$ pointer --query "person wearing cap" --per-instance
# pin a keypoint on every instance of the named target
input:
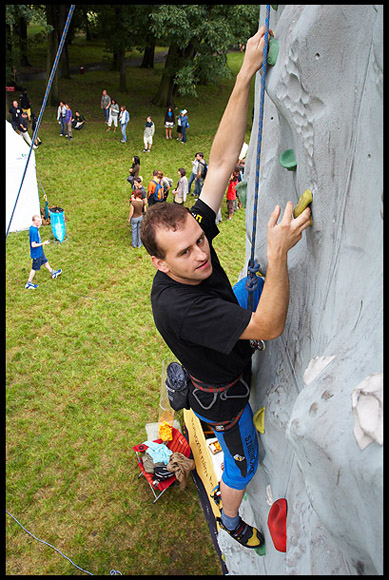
(197, 313)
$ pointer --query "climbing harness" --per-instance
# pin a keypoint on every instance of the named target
(50, 82)
(222, 391)
(253, 266)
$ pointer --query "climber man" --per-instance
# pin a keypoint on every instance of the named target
(195, 309)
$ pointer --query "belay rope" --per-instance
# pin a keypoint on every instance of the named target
(253, 266)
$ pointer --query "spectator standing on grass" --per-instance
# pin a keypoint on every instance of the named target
(166, 184)
(61, 115)
(105, 104)
(15, 111)
(137, 209)
(148, 134)
(37, 254)
(201, 173)
(231, 193)
(179, 128)
(184, 125)
(151, 188)
(138, 184)
(169, 122)
(134, 169)
(23, 128)
(113, 115)
(193, 175)
(124, 119)
(68, 121)
(181, 191)
(25, 103)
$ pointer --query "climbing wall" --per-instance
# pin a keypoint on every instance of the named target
(321, 381)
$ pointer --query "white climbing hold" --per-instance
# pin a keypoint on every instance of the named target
(367, 406)
(315, 367)
(269, 495)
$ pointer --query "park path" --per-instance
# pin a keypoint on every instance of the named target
(26, 76)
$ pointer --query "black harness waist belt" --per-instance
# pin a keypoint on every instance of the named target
(213, 388)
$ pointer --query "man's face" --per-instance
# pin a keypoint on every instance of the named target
(187, 253)
(37, 222)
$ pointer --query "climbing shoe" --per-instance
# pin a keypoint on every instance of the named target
(246, 535)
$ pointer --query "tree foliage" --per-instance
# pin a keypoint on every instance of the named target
(203, 35)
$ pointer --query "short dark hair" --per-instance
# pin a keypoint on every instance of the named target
(170, 216)
(182, 171)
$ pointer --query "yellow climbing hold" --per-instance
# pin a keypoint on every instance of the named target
(259, 420)
(304, 201)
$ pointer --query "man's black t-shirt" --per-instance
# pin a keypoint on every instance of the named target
(201, 324)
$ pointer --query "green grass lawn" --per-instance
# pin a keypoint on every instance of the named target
(83, 358)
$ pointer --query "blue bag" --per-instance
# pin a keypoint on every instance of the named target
(241, 292)
(57, 220)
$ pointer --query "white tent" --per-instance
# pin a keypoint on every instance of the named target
(28, 203)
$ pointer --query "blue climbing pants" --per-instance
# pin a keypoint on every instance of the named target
(240, 448)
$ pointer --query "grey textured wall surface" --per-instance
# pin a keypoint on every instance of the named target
(321, 381)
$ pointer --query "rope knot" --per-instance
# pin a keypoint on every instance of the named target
(252, 278)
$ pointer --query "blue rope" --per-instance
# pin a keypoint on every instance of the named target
(253, 266)
(112, 572)
(50, 82)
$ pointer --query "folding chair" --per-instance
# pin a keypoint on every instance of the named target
(178, 444)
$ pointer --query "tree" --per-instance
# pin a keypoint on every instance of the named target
(199, 43)
(17, 17)
(125, 27)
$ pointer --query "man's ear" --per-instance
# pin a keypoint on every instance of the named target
(159, 264)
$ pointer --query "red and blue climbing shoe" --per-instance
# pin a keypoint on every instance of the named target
(246, 535)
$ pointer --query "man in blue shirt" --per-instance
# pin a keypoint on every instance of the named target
(37, 254)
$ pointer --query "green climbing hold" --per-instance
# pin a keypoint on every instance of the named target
(273, 50)
(261, 550)
(241, 190)
(287, 160)
(274, 6)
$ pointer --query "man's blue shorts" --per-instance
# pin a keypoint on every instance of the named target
(240, 448)
(38, 262)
